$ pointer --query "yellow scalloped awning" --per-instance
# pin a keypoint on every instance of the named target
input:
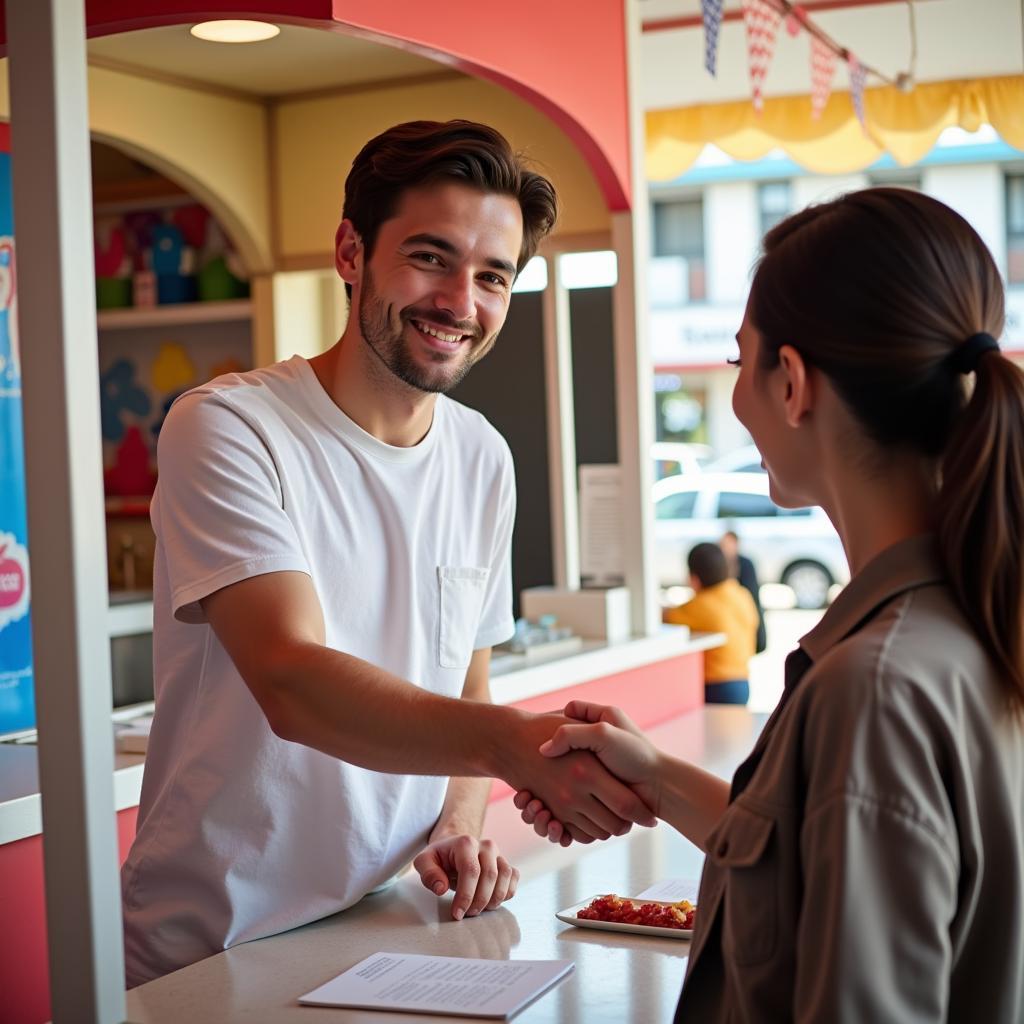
(905, 125)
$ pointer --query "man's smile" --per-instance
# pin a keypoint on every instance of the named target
(443, 338)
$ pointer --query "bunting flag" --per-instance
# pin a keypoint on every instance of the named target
(823, 67)
(858, 73)
(762, 23)
(795, 20)
(712, 11)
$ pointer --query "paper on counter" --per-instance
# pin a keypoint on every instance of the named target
(454, 986)
(672, 890)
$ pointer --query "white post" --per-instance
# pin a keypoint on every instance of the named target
(64, 472)
(634, 378)
(565, 524)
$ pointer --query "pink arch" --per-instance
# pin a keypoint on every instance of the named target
(567, 58)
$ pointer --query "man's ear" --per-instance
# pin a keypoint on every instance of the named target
(798, 400)
(348, 252)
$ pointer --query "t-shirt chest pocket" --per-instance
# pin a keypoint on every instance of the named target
(461, 592)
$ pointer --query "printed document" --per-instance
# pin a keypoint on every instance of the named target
(672, 890)
(447, 985)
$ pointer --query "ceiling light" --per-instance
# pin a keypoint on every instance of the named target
(234, 31)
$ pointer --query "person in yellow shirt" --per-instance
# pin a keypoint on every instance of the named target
(721, 605)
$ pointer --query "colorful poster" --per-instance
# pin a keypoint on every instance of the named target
(17, 704)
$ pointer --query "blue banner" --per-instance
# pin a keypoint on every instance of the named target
(17, 704)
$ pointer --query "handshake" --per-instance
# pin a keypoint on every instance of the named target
(593, 775)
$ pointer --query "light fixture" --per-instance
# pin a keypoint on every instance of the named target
(234, 31)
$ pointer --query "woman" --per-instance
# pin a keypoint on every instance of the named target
(867, 861)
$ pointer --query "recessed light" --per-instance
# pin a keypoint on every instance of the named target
(234, 31)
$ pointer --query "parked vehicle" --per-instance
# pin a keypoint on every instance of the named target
(674, 457)
(797, 547)
(745, 459)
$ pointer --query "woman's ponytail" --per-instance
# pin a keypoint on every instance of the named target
(981, 516)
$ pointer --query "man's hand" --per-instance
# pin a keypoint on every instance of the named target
(615, 740)
(481, 877)
(579, 791)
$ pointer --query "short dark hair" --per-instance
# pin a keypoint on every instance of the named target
(419, 153)
(707, 562)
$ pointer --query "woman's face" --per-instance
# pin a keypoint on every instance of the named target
(759, 401)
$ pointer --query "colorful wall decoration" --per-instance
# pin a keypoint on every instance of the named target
(17, 703)
(170, 253)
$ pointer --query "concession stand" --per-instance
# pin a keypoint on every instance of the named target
(262, 146)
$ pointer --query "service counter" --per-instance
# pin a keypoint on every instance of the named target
(617, 977)
(654, 679)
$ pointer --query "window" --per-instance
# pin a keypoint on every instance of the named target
(678, 230)
(896, 178)
(676, 506)
(1015, 228)
(774, 203)
(739, 505)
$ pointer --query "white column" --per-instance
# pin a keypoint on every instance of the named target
(634, 371)
(820, 188)
(71, 652)
(978, 193)
(731, 239)
(725, 432)
(561, 416)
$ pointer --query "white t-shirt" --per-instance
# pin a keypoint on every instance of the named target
(242, 834)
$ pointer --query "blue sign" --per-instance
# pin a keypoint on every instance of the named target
(17, 704)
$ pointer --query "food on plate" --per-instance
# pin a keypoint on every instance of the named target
(653, 915)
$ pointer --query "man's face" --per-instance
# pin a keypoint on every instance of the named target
(435, 293)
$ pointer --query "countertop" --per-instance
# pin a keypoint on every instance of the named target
(617, 977)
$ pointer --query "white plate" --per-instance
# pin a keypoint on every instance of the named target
(569, 917)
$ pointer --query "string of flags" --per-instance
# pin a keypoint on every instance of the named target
(762, 18)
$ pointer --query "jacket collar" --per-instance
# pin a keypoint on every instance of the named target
(905, 566)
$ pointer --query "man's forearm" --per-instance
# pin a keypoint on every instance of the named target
(465, 805)
(360, 713)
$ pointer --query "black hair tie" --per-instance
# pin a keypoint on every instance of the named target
(964, 358)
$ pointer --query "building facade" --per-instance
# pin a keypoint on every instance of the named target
(706, 231)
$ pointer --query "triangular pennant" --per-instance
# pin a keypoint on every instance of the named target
(823, 67)
(712, 11)
(762, 23)
(858, 74)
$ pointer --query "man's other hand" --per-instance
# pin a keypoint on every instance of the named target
(481, 877)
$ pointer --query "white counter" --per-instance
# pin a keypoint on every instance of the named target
(20, 804)
(618, 977)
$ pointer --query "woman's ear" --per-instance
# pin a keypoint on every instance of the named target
(348, 252)
(799, 395)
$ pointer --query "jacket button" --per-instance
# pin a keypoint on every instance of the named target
(723, 847)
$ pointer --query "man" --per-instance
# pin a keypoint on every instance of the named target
(742, 568)
(332, 568)
(719, 605)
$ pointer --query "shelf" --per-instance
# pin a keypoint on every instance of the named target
(174, 315)
(130, 619)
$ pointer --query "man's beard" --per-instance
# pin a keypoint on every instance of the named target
(391, 348)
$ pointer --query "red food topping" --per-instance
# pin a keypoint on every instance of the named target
(656, 915)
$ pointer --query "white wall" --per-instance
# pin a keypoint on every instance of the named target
(731, 239)
(978, 193)
(309, 312)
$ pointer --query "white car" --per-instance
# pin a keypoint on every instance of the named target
(798, 547)
(745, 459)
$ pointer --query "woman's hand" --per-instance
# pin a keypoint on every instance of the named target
(616, 741)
